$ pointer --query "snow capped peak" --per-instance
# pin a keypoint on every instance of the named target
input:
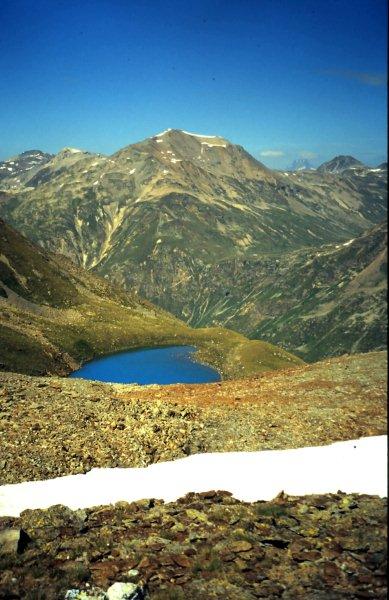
(198, 134)
(162, 133)
(68, 150)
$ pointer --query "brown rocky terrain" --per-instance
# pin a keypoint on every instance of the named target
(203, 546)
(52, 426)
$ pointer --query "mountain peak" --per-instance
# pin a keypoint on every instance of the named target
(68, 151)
(301, 164)
(181, 134)
(18, 169)
(340, 163)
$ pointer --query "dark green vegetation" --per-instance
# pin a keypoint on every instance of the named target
(201, 547)
(192, 223)
(53, 315)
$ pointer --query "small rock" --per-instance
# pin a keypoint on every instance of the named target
(240, 546)
(132, 573)
(182, 561)
(124, 591)
(13, 541)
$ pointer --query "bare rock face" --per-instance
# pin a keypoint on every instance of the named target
(124, 591)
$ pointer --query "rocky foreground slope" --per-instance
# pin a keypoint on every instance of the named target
(51, 426)
(203, 546)
(159, 216)
(54, 315)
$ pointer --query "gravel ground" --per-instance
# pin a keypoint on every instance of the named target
(55, 426)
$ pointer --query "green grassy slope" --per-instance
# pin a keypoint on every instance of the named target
(54, 315)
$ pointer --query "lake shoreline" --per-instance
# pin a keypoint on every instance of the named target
(169, 364)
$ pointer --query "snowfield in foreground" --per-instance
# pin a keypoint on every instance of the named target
(355, 466)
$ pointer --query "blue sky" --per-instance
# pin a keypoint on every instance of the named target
(283, 78)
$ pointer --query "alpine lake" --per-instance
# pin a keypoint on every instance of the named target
(145, 366)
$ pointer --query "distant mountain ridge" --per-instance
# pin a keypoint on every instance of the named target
(301, 164)
(340, 164)
(325, 301)
(18, 169)
(157, 215)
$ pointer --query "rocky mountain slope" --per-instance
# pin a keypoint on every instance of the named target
(323, 301)
(134, 426)
(16, 171)
(159, 215)
(203, 546)
(54, 315)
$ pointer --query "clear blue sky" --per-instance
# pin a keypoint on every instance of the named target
(283, 78)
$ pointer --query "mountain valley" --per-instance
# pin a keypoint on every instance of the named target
(196, 225)
(53, 316)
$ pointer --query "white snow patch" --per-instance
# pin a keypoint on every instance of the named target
(354, 466)
(159, 241)
(348, 243)
(132, 171)
(214, 145)
(159, 141)
(165, 171)
(198, 135)
(162, 133)
(95, 183)
(374, 170)
(175, 160)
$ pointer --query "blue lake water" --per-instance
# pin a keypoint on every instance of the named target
(172, 364)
